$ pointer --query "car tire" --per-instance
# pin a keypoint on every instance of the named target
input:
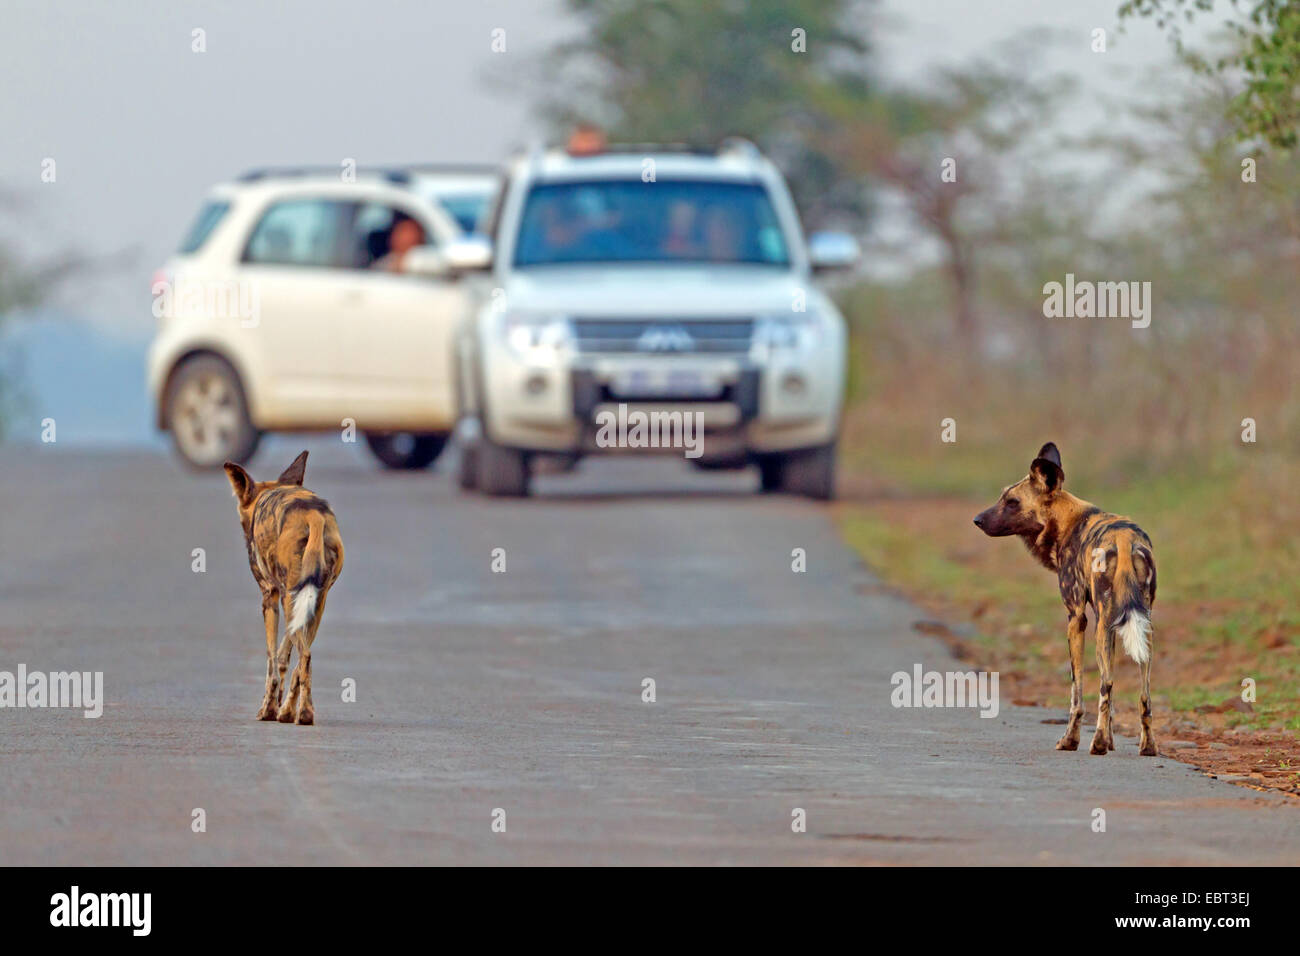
(467, 468)
(810, 473)
(406, 451)
(771, 473)
(501, 471)
(207, 414)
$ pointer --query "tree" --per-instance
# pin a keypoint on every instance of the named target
(25, 286)
(1268, 55)
(961, 155)
(20, 288)
(697, 71)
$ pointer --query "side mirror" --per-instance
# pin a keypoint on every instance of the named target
(470, 254)
(833, 250)
(427, 261)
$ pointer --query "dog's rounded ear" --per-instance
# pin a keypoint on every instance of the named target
(240, 482)
(294, 474)
(1050, 452)
(1047, 474)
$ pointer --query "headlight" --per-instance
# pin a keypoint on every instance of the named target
(532, 333)
(787, 331)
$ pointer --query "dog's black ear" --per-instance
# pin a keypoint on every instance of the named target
(1046, 472)
(294, 474)
(1051, 453)
(240, 482)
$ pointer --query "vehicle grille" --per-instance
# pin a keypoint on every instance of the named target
(724, 336)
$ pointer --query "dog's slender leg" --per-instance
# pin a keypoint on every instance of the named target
(1110, 710)
(282, 655)
(1074, 634)
(1148, 741)
(289, 708)
(271, 618)
(1105, 654)
(306, 712)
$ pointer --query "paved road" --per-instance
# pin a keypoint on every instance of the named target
(522, 690)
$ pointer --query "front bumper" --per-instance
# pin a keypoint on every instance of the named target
(787, 403)
(593, 392)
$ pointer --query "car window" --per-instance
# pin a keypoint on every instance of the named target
(299, 232)
(380, 232)
(467, 209)
(211, 214)
(633, 221)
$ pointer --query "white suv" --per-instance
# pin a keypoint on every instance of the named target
(664, 282)
(283, 311)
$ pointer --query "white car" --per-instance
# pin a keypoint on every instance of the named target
(280, 312)
(670, 284)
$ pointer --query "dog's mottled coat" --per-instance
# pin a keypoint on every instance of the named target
(1100, 559)
(296, 554)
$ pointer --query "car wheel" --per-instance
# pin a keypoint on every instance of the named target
(501, 471)
(467, 472)
(810, 473)
(406, 450)
(770, 472)
(207, 414)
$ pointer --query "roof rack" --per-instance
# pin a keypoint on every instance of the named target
(732, 144)
(492, 169)
(739, 144)
(690, 149)
(397, 176)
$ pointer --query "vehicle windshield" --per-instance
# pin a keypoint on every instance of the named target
(656, 222)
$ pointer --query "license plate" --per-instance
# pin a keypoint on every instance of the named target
(664, 383)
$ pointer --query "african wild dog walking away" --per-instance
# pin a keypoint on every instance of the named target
(296, 554)
(1100, 559)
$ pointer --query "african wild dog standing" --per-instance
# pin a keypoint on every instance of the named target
(1100, 559)
(296, 554)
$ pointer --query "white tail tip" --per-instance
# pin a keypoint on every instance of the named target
(304, 607)
(1136, 634)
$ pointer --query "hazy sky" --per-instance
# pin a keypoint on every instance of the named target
(140, 125)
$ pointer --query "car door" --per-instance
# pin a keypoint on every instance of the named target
(295, 262)
(398, 329)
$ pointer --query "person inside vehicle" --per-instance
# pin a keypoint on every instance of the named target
(721, 235)
(679, 238)
(406, 234)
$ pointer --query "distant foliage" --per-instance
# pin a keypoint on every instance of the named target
(25, 285)
(697, 71)
(1221, 256)
(20, 288)
(1268, 56)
